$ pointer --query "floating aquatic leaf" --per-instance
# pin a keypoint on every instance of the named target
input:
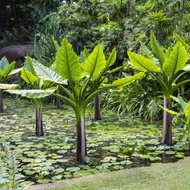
(73, 169)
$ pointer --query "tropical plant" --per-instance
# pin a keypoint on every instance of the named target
(185, 106)
(6, 71)
(10, 178)
(80, 77)
(41, 89)
(164, 66)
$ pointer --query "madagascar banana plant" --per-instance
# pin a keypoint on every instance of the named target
(40, 89)
(78, 90)
(186, 111)
(101, 78)
(6, 71)
(167, 66)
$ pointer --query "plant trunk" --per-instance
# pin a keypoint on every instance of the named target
(97, 115)
(167, 125)
(1, 101)
(58, 102)
(39, 123)
(81, 139)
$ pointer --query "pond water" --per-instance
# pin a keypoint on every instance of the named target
(112, 144)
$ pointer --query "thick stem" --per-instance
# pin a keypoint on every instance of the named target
(39, 123)
(58, 102)
(167, 125)
(97, 115)
(81, 138)
(1, 101)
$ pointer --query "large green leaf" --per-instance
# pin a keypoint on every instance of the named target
(157, 49)
(15, 71)
(125, 81)
(176, 61)
(67, 63)
(180, 39)
(33, 94)
(95, 62)
(8, 69)
(111, 58)
(149, 54)
(46, 73)
(28, 76)
(183, 103)
(8, 86)
(187, 115)
(142, 63)
(28, 64)
(3, 63)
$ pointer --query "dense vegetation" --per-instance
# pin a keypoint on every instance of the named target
(131, 56)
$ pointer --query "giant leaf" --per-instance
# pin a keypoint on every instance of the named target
(111, 58)
(7, 86)
(46, 73)
(28, 64)
(33, 94)
(125, 81)
(157, 49)
(28, 76)
(3, 63)
(8, 69)
(149, 54)
(67, 63)
(180, 39)
(176, 61)
(142, 63)
(187, 115)
(95, 62)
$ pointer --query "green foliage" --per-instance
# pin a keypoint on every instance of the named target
(41, 88)
(139, 99)
(10, 178)
(6, 70)
(164, 66)
(81, 88)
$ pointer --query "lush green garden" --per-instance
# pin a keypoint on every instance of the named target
(106, 87)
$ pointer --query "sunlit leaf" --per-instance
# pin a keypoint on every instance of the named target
(47, 74)
(33, 94)
(176, 61)
(95, 62)
(67, 62)
(8, 86)
(142, 63)
(157, 49)
(28, 76)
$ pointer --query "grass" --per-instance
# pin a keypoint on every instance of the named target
(170, 176)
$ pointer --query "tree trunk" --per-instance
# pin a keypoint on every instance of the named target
(39, 123)
(1, 101)
(167, 125)
(97, 115)
(81, 138)
(58, 102)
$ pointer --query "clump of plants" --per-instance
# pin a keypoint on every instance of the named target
(10, 177)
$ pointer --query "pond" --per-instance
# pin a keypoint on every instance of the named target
(112, 143)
